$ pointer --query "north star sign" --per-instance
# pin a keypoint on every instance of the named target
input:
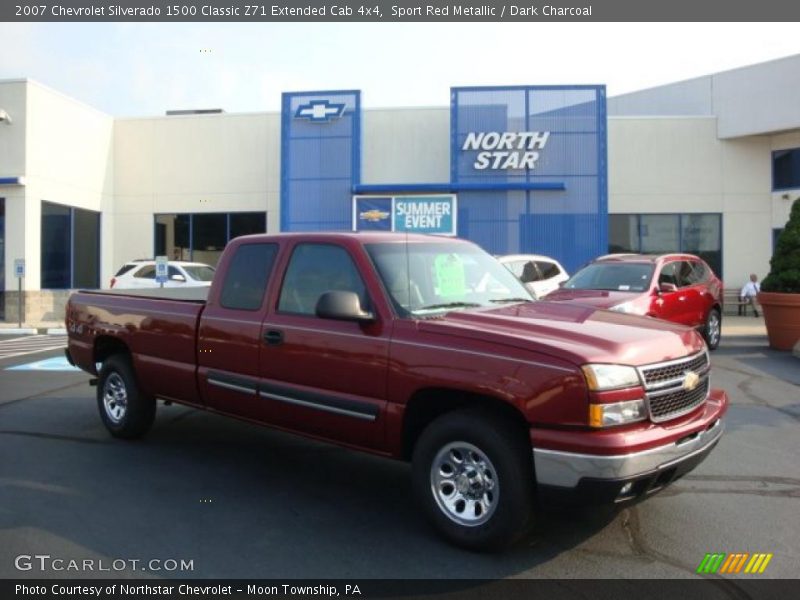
(506, 150)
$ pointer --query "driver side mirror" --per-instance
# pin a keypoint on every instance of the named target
(667, 288)
(178, 277)
(342, 306)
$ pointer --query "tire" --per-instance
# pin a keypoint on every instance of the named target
(712, 331)
(468, 444)
(124, 410)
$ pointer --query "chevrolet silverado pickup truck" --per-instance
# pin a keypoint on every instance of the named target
(416, 348)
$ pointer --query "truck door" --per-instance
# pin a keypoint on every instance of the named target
(321, 376)
(229, 338)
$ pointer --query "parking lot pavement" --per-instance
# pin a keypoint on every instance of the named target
(244, 501)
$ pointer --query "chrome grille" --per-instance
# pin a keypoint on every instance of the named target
(665, 395)
(674, 370)
(671, 404)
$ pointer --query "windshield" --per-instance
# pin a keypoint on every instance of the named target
(620, 277)
(200, 272)
(425, 278)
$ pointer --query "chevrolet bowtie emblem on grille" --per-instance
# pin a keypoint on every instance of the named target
(690, 381)
(319, 111)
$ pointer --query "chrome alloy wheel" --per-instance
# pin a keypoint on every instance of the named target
(464, 484)
(115, 398)
(714, 327)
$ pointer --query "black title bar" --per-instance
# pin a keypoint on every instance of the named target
(750, 588)
(399, 11)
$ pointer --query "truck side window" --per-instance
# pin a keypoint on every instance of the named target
(247, 276)
(315, 269)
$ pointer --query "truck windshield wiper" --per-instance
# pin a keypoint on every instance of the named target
(448, 305)
(503, 300)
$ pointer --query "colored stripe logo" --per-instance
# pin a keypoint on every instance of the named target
(737, 562)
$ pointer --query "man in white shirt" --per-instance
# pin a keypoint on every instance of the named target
(748, 294)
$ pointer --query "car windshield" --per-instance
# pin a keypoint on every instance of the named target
(621, 277)
(425, 278)
(199, 272)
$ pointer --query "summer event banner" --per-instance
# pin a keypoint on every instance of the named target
(435, 214)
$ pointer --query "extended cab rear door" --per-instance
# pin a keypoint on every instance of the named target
(326, 377)
(229, 337)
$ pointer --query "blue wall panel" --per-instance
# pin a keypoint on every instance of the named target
(320, 159)
(571, 224)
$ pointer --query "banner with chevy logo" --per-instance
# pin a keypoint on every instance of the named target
(435, 214)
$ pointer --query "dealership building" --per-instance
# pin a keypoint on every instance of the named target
(708, 166)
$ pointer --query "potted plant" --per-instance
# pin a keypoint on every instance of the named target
(780, 290)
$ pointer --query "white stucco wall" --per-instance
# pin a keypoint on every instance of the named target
(192, 164)
(406, 146)
(67, 160)
(678, 165)
(13, 96)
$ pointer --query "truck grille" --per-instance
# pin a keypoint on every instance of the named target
(666, 393)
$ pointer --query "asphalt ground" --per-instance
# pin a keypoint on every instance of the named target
(241, 501)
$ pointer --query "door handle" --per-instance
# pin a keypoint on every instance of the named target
(682, 298)
(273, 337)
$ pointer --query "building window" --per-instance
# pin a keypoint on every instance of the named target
(699, 234)
(201, 237)
(786, 169)
(70, 247)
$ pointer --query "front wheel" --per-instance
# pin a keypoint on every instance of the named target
(124, 410)
(713, 329)
(473, 477)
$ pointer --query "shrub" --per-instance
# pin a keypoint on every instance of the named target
(784, 272)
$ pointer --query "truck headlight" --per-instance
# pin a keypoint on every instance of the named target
(610, 377)
(616, 413)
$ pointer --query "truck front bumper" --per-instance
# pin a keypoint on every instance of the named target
(582, 478)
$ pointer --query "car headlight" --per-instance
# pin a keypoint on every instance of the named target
(610, 377)
(625, 307)
(616, 413)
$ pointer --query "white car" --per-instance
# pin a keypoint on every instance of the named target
(540, 274)
(142, 274)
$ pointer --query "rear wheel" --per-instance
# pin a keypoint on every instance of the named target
(473, 476)
(713, 329)
(124, 410)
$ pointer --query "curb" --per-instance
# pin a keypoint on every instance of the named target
(19, 331)
(56, 331)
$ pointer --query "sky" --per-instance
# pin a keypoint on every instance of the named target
(132, 69)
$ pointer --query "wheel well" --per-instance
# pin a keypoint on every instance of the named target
(105, 346)
(429, 404)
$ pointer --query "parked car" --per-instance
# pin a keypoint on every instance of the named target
(540, 274)
(142, 274)
(386, 343)
(675, 287)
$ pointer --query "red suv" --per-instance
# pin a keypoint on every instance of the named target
(675, 287)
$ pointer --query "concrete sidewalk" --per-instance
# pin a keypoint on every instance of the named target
(735, 326)
(47, 327)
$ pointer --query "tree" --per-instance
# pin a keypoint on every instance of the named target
(784, 272)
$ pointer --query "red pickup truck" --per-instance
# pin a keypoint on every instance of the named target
(416, 348)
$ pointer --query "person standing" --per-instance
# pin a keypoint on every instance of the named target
(748, 295)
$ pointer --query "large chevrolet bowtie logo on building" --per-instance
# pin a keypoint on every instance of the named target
(690, 380)
(319, 111)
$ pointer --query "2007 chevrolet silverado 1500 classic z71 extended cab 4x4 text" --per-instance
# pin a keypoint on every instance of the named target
(417, 348)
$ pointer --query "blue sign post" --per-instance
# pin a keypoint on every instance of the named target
(162, 270)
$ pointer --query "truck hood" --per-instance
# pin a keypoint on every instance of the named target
(575, 333)
(596, 298)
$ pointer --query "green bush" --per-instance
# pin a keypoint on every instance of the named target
(784, 272)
